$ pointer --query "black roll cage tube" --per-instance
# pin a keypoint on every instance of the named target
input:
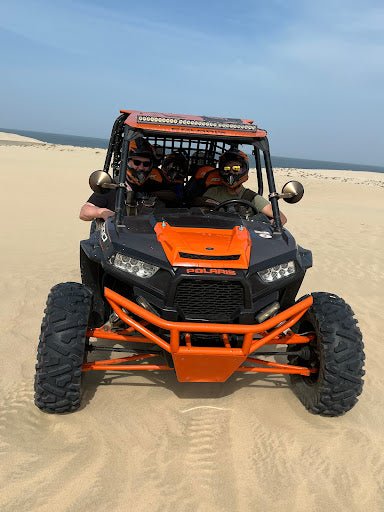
(260, 184)
(114, 141)
(130, 134)
(263, 145)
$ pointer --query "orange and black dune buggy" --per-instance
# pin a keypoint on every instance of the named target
(201, 292)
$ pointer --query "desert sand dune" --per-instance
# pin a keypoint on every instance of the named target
(144, 442)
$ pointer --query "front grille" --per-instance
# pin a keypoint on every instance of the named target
(206, 340)
(204, 299)
(231, 257)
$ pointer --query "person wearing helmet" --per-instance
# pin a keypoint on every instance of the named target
(139, 169)
(175, 168)
(167, 184)
(159, 152)
(140, 163)
(233, 171)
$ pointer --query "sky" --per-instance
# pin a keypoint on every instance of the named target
(310, 73)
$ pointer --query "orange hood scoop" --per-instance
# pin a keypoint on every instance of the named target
(210, 248)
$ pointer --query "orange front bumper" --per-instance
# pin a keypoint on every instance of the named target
(202, 364)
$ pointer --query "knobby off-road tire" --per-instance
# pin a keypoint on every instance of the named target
(61, 348)
(337, 351)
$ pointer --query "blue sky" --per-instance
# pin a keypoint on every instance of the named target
(310, 73)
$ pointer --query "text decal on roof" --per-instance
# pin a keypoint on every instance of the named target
(196, 123)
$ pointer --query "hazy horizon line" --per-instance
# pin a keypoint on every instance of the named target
(106, 140)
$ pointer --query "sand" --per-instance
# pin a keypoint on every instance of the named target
(145, 442)
(13, 139)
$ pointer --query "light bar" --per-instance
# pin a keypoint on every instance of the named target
(196, 123)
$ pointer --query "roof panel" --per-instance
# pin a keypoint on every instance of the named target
(194, 125)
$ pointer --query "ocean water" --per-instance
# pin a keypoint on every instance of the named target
(277, 161)
(58, 138)
(302, 163)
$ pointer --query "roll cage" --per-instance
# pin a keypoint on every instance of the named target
(202, 140)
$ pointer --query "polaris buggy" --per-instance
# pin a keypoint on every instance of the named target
(200, 292)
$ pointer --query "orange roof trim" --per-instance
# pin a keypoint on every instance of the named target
(199, 125)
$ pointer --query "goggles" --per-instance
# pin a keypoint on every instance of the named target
(137, 163)
(228, 168)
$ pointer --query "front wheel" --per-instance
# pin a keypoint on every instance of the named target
(61, 348)
(338, 353)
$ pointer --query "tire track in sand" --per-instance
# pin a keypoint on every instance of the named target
(191, 464)
(53, 462)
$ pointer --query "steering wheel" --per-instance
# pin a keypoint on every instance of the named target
(230, 202)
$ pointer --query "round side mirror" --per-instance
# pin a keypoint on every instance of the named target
(292, 192)
(100, 182)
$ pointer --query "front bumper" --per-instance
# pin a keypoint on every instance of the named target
(202, 364)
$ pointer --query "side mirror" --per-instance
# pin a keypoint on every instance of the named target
(100, 182)
(292, 192)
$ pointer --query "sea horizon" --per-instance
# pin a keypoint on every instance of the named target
(277, 161)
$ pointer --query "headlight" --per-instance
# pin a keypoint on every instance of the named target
(137, 267)
(272, 274)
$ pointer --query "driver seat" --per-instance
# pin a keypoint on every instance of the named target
(205, 177)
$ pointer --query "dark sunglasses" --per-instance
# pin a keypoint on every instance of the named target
(140, 162)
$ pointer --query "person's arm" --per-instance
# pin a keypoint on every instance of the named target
(267, 210)
(90, 212)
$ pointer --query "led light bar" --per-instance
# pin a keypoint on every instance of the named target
(196, 123)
